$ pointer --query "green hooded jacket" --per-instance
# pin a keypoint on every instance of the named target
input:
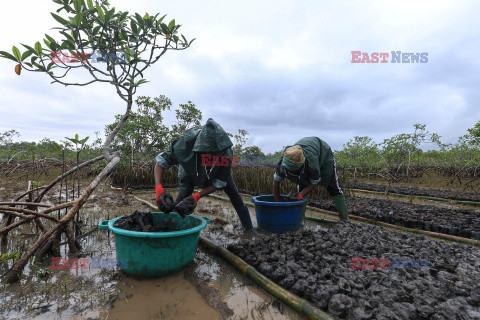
(186, 152)
(318, 167)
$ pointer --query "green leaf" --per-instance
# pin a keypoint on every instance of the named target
(142, 81)
(26, 54)
(40, 67)
(90, 4)
(96, 29)
(164, 28)
(191, 41)
(133, 25)
(8, 56)
(60, 19)
(109, 15)
(50, 65)
(123, 16)
(78, 5)
(78, 19)
(161, 19)
(38, 48)
(29, 48)
(139, 19)
(17, 53)
(124, 35)
(171, 25)
(100, 13)
(49, 38)
(47, 43)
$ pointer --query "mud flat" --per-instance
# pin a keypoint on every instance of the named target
(458, 222)
(420, 191)
(367, 272)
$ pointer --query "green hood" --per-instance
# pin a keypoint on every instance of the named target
(212, 138)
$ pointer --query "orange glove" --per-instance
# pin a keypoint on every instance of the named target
(196, 196)
(159, 191)
(300, 196)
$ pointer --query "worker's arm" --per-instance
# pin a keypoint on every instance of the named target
(207, 190)
(158, 173)
(307, 189)
(276, 190)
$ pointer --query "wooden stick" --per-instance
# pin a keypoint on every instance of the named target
(16, 203)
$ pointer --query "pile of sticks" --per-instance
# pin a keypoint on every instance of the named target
(27, 208)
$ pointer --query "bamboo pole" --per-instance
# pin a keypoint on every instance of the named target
(298, 304)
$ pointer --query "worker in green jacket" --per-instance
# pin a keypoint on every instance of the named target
(204, 158)
(308, 163)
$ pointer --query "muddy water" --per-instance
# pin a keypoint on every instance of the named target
(168, 298)
(209, 288)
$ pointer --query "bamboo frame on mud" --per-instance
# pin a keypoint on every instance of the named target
(401, 195)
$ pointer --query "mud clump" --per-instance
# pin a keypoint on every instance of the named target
(143, 222)
(367, 272)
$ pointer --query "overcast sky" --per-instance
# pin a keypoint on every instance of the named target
(279, 69)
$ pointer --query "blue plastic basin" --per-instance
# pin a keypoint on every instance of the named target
(278, 217)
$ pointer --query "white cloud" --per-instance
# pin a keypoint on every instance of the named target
(280, 69)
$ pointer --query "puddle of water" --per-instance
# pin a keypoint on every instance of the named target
(166, 298)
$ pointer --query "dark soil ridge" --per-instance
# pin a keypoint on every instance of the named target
(463, 223)
(420, 191)
(318, 267)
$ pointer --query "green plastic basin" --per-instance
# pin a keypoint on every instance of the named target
(157, 254)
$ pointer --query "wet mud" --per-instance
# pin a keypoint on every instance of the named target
(367, 272)
(458, 222)
(420, 191)
(143, 222)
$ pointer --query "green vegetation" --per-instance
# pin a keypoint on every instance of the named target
(399, 158)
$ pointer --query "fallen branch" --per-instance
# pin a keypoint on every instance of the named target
(33, 204)
(27, 193)
(63, 176)
(10, 226)
(20, 213)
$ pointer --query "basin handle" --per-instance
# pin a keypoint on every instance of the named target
(103, 224)
(207, 220)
